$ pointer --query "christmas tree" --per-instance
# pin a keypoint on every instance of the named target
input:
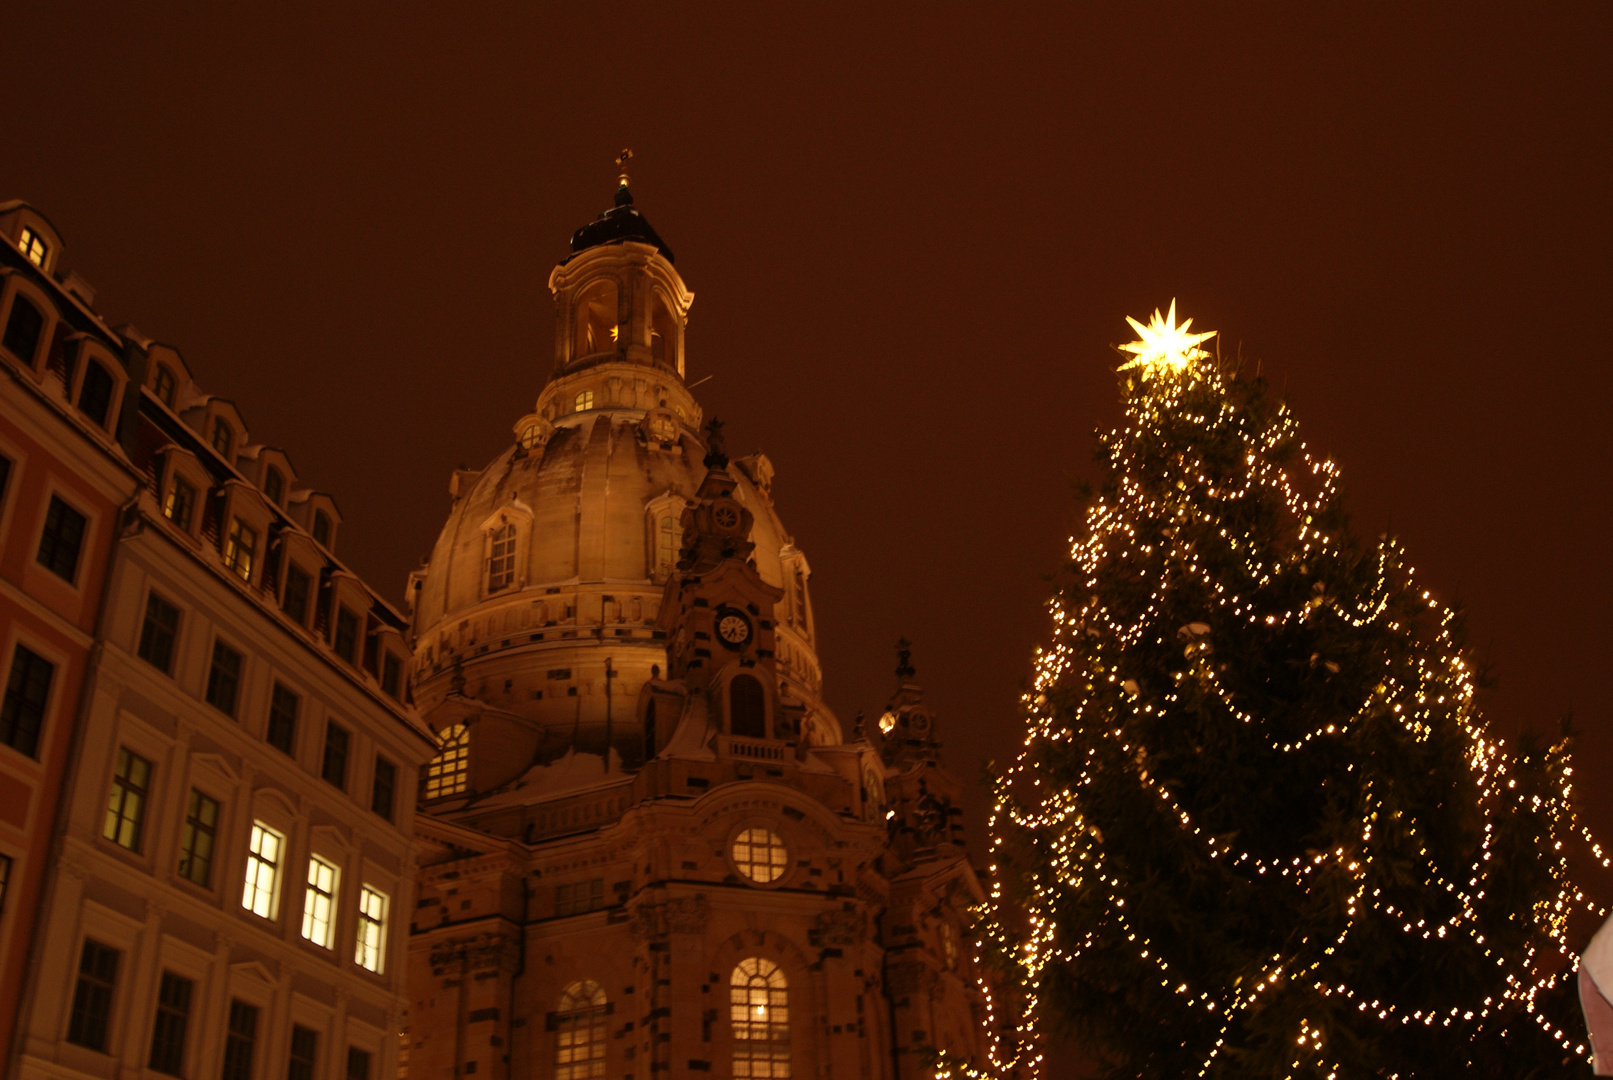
(1259, 827)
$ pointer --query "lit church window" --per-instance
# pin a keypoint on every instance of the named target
(579, 1025)
(501, 559)
(759, 1007)
(34, 248)
(448, 772)
(760, 855)
(585, 401)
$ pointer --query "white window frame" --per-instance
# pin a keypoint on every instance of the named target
(262, 884)
(370, 945)
(320, 900)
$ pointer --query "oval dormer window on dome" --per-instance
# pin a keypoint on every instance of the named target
(584, 401)
(597, 328)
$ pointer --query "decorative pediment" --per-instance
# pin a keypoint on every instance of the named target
(219, 762)
(255, 969)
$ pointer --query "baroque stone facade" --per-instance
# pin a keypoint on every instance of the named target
(647, 846)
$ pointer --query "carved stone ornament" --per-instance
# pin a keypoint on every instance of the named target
(837, 927)
(684, 915)
(481, 951)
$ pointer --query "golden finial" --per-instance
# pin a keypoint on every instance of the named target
(621, 165)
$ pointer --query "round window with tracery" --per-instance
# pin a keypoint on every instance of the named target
(760, 855)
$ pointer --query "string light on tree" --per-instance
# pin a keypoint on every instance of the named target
(1258, 825)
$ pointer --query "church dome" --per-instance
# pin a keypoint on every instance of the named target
(536, 614)
(620, 222)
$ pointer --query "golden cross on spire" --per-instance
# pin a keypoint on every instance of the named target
(621, 165)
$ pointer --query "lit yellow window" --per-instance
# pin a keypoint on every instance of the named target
(585, 401)
(759, 1008)
(33, 248)
(449, 772)
(501, 559)
(239, 548)
(760, 855)
(371, 928)
(579, 1025)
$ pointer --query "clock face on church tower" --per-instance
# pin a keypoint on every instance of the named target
(733, 629)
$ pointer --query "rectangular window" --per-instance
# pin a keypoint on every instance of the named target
(126, 803)
(304, 1053)
(391, 674)
(263, 871)
(358, 1064)
(223, 437)
(60, 542)
(23, 330)
(319, 905)
(386, 783)
(180, 504)
(371, 928)
(196, 842)
(580, 897)
(223, 678)
(27, 693)
(92, 997)
(162, 384)
(33, 248)
(173, 1018)
(239, 548)
(346, 643)
(274, 484)
(95, 393)
(240, 1041)
(334, 766)
(158, 632)
(298, 586)
(283, 704)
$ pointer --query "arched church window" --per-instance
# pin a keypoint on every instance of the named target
(663, 334)
(669, 542)
(596, 319)
(800, 598)
(501, 558)
(585, 401)
(760, 855)
(449, 772)
(579, 1025)
(530, 436)
(759, 1007)
(747, 708)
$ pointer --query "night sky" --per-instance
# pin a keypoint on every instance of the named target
(914, 235)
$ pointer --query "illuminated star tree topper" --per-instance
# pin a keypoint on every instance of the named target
(1162, 346)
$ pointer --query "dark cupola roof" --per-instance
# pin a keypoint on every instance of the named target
(621, 222)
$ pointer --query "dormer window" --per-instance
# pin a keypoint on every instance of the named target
(95, 393)
(163, 385)
(321, 529)
(239, 549)
(274, 484)
(669, 542)
(23, 330)
(501, 559)
(530, 436)
(223, 437)
(180, 503)
(33, 248)
(585, 401)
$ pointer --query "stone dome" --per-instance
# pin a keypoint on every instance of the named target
(535, 616)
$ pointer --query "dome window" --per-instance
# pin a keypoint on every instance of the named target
(597, 328)
(34, 248)
(585, 401)
(449, 772)
(530, 436)
(760, 855)
(669, 542)
(664, 335)
(501, 558)
(661, 427)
